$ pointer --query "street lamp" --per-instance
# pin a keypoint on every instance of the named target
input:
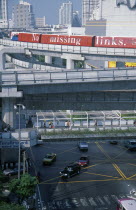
(19, 107)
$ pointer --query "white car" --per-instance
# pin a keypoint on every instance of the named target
(14, 171)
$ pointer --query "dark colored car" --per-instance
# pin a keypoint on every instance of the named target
(49, 159)
(113, 142)
(83, 161)
(71, 170)
(130, 144)
(83, 146)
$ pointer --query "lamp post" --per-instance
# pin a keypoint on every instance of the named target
(19, 106)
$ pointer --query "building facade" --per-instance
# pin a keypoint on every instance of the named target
(40, 22)
(88, 8)
(3, 14)
(23, 16)
(66, 13)
(76, 19)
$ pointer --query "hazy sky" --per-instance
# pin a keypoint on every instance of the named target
(48, 8)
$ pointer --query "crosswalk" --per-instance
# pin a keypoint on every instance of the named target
(105, 202)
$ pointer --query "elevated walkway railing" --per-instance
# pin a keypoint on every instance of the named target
(41, 77)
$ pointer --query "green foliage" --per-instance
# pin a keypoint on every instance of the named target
(7, 206)
(3, 180)
(25, 187)
(87, 131)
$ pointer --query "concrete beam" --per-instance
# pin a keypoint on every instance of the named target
(10, 92)
(8, 50)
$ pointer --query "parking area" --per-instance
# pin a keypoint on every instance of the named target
(110, 175)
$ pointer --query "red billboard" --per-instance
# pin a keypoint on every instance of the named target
(26, 37)
(115, 42)
(67, 40)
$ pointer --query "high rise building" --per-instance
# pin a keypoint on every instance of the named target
(23, 16)
(66, 13)
(76, 19)
(88, 7)
(3, 14)
(40, 22)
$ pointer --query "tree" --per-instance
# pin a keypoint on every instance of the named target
(25, 187)
(7, 206)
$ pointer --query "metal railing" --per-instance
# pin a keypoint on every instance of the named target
(42, 77)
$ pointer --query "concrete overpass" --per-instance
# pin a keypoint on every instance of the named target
(70, 53)
(74, 90)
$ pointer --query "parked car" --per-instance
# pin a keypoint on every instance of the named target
(83, 161)
(130, 144)
(49, 159)
(113, 142)
(14, 171)
(83, 146)
(70, 170)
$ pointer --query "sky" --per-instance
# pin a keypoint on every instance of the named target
(47, 8)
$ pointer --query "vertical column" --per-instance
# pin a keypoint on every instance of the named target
(70, 63)
(48, 59)
(8, 113)
(2, 61)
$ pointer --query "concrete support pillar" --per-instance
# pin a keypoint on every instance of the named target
(70, 59)
(48, 59)
(2, 61)
(70, 63)
(106, 64)
(8, 113)
(9, 95)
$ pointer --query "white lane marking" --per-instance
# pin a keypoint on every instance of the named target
(56, 189)
(100, 200)
(67, 204)
(75, 202)
(51, 205)
(122, 196)
(59, 204)
(107, 199)
(115, 198)
(84, 201)
(92, 202)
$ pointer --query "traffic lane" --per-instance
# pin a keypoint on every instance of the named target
(67, 153)
(120, 157)
(90, 184)
(118, 152)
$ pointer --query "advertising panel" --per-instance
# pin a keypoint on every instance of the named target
(130, 64)
(115, 42)
(67, 40)
(26, 37)
(112, 64)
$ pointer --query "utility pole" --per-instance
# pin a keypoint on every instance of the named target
(24, 162)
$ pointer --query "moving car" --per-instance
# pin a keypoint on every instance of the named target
(83, 146)
(130, 144)
(113, 142)
(70, 170)
(14, 171)
(83, 161)
(49, 159)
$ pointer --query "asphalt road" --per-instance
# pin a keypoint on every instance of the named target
(110, 175)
